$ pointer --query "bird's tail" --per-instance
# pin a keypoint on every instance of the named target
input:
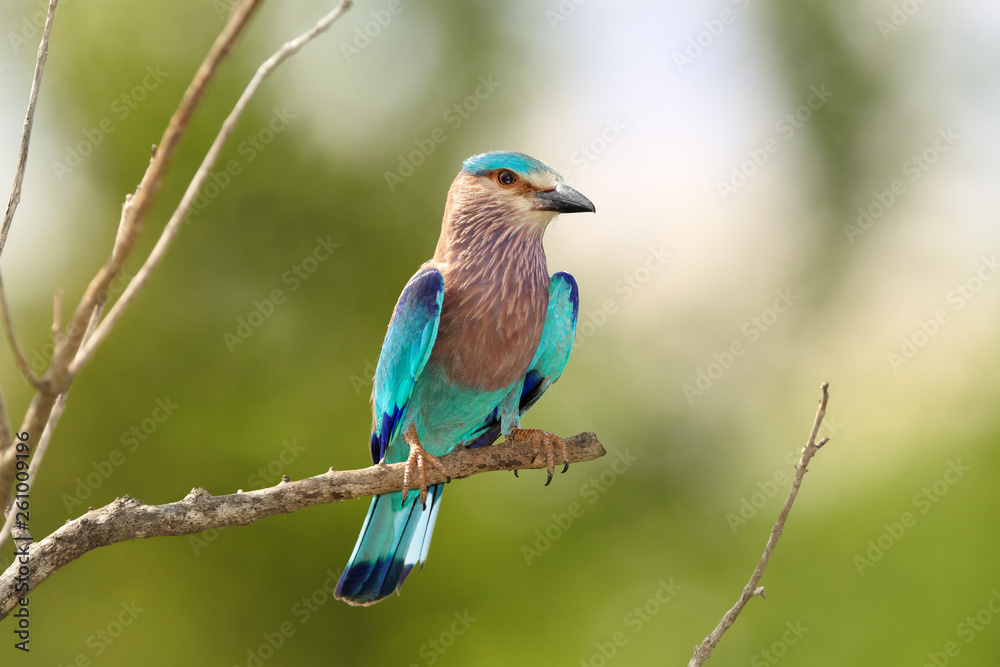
(394, 538)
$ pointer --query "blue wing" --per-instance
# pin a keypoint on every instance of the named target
(405, 351)
(551, 356)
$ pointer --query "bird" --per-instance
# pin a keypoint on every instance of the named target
(478, 334)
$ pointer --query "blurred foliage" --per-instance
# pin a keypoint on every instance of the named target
(512, 577)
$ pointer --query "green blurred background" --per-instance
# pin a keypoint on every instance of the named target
(739, 138)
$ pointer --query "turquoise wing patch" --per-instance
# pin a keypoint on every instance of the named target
(405, 351)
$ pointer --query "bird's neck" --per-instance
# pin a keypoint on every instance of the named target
(496, 297)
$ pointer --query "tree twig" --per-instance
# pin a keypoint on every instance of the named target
(58, 377)
(173, 226)
(15, 348)
(704, 650)
(29, 121)
(36, 461)
(129, 519)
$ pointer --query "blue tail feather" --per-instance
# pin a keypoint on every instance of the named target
(394, 538)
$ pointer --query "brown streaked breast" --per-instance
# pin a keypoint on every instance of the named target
(491, 323)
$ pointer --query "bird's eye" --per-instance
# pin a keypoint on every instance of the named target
(506, 178)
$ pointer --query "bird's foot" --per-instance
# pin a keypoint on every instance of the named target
(417, 462)
(543, 440)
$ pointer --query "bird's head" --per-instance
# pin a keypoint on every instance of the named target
(511, 190)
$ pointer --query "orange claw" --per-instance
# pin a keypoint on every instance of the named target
(418, 460)
(543, 439)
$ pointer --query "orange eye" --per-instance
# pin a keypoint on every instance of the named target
(506, 178)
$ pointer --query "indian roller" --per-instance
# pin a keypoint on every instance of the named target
(479, 333)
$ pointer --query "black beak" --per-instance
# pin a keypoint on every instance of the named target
(563, 199)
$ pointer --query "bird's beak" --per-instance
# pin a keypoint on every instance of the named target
(563, 199)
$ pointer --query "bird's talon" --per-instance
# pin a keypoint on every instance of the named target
(417, 462)
(543, 440)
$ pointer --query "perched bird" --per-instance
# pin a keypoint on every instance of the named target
(477, 336)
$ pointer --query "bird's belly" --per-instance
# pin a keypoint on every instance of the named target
(446, 413)
(479, 358)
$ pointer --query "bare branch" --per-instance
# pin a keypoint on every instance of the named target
(29, 121)
(36, 461)
(6, 439)
(129, 519)
(15, 348)
(58, 378)
(173, 226)
(704, 650)
(57, 313)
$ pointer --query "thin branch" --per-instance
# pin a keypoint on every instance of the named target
(6, 438)
(36, 461)
(56, 313)
(704, 650)
(128, 519)
(173, 226)
(29, 121)
(15, 348)
(58, 378)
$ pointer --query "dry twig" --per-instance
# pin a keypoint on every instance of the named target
(29, 121)
(704, 650)
(173, 226)
(15, 348)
